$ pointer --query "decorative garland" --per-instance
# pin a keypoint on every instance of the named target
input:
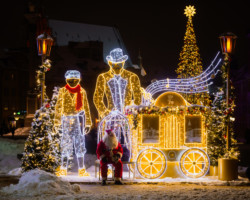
(46, 65)
(178, 110)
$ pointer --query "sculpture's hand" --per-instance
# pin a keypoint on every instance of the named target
(87, 129)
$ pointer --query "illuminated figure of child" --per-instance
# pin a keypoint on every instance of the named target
(72, 113)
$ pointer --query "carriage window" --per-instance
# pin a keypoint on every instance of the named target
(150, 129)
(193, 129)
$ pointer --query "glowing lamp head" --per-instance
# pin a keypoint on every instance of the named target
(44, 43)
(227, 41)
(116, 60)
(73, 78)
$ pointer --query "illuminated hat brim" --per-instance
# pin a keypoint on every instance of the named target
(73, 74)
(119, 60)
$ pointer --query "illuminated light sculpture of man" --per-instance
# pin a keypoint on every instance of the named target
(121, 88)
(72, 113)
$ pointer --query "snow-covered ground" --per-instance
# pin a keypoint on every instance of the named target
(8, 154)
(24, 131)
(38, 184)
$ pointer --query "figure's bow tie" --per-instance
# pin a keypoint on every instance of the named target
(117, 77)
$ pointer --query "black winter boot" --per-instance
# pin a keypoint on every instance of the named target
(104, 182)
(118, 182)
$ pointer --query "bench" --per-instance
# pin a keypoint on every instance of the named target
(97, 166)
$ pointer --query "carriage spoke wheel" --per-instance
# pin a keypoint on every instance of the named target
(194, 163)
(151, 163)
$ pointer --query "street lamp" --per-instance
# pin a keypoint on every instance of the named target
(227, 41)
(44, 43)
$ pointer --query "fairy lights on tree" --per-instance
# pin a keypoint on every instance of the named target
(42, 147)
(217, 131)
(190, 63)
(39, 149)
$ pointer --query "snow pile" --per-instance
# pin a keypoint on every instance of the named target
(242, 171)
(15, 172)
(8, 154)
(37, 182)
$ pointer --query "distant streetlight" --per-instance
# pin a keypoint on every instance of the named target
(227, 41)
(44, 44)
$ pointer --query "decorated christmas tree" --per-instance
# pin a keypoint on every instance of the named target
(38, 149)
(42, 147)
(190, 64)
(55, 133)
(216, 137)
(220, 114)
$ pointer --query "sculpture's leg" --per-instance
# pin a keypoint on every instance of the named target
(66, 147)
(80, 153)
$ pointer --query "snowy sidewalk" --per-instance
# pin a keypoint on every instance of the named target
(206, 181)
(40, 185)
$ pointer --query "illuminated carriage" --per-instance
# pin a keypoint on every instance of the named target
(167, 136)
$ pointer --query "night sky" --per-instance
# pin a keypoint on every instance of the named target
(154, 28)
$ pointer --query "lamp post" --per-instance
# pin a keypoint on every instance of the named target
(227, 41)
(44, 43)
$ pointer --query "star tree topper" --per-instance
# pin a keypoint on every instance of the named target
(189, 11)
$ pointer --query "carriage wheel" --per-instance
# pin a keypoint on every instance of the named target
(194, 163)
(151, 163)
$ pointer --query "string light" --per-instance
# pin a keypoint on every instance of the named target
(72, 113)
(172, 135)
(189, 11)
(119, 123)
(121, 87)
(198, 84)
